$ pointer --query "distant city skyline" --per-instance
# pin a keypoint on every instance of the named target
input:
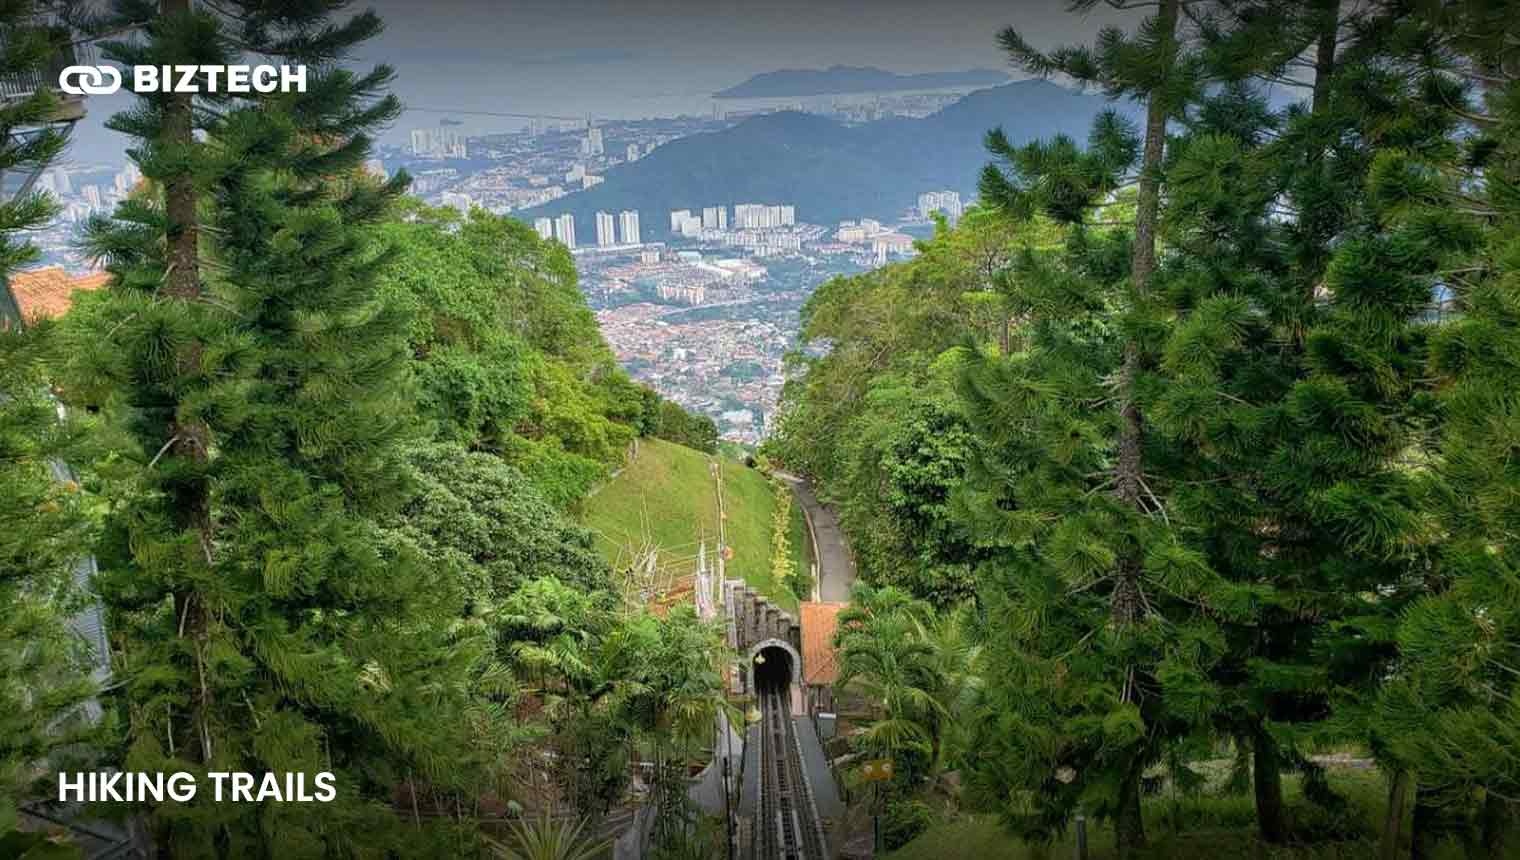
(649, 59)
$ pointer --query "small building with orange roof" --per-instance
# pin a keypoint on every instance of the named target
(820, 661)
(45, 293)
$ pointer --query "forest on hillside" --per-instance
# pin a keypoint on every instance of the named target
(1182, 471)
(323, 447)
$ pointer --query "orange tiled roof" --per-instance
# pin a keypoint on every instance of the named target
(49, 292)
(820, 664)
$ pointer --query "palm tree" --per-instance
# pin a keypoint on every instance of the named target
(884, 650)
(547, 839)
(958, 653)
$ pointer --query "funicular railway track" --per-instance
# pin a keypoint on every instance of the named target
(787, 826)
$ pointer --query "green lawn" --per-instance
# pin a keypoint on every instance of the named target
(665, 498)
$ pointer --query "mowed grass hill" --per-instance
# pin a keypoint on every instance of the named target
(666, 499)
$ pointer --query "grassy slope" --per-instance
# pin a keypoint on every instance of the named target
(667, 493)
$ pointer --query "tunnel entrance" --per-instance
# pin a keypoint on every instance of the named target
(775, 662)
(773, 668)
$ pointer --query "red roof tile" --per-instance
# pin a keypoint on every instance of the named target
(819, 661)
(49, 292)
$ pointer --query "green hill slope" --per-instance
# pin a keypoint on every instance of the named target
(666, 499)
(827, 169)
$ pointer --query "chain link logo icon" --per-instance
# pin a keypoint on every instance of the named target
(89, 80)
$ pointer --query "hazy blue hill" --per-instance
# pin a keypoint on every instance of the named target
(828, 170)
(853, 79)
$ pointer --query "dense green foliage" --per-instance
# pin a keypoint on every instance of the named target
(44, 524)
(44, 534)
(874, 420)
(335, 439)
(1225, 459)
(507, 355)
(665, 419)
(490, 527)
(261, 622)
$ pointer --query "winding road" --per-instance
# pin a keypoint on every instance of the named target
(836, 566)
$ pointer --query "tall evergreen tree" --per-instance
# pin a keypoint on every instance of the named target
(262, 625)
(1450, 712)
(1258, 203)
(1093, 375)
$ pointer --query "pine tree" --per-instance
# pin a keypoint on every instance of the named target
(266, 625)
(1450, 712)
(1091, 371)
(44, 530)
(1258, 200)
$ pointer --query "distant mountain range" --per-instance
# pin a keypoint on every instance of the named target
(828, 170)
(853, 79)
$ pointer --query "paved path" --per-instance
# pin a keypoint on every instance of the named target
(836, 566)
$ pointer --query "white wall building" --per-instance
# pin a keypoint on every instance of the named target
(628, 224)
(564, 230)
(948, 202)
(544, 227)
(437, 143)
(606, 229)
(760, 216)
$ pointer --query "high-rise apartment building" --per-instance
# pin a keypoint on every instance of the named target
(628, 222)
(606, 229)
(564, 230)
(437, 143)
(948, 202)
(422, 141)
(544, 227)
(759, 216)
(594, 142)
(633, 152)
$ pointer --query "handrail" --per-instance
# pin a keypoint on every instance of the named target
(67, 51)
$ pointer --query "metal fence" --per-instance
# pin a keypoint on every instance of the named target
(69, 50)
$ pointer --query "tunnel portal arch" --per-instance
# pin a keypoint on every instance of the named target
(793, 657)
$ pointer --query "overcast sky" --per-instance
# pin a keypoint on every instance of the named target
(656, 57)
